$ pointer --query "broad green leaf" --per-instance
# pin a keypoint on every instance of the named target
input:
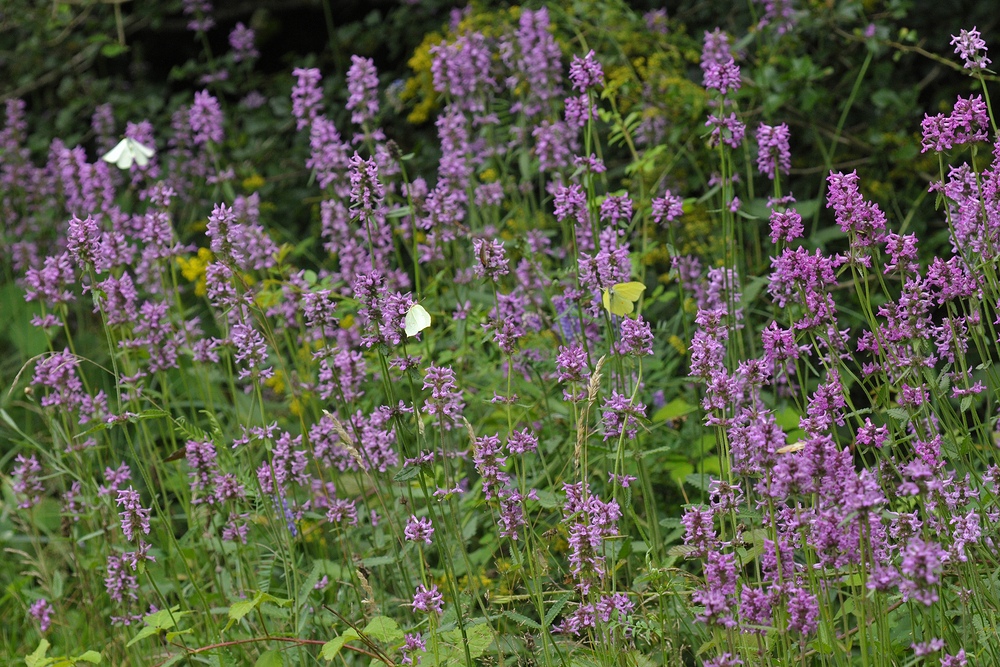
(383, 629)
(147, 631)
(272, 658)
(332, 647)
(165, 618)
(673, 410)
(406, 473)
(281, 602)
(93, 657)
(37, 658)
(480, 637)
(240, 609)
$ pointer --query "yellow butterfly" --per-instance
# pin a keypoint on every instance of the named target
(620, 299)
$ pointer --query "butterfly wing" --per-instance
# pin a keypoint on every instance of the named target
(620, 299)
(417, 319)
(631, 291)
(140, 152)
(621, 306)
(120, 155)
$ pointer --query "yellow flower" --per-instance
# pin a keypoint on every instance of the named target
(677, 343)
(253, 182)
(194, 269)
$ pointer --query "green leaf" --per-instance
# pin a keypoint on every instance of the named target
(281, 602)
(554, 610)
(753, 288)
(240, 609)
(93, 657)
(480, 637)
(113, 49)
(523, 620)
(547, 499)
(673, 410)
(899, 414)
(375, 561)
(165, 618)
(147, 631)
(37, 658)
(383, 629)
(332, 647)
(699, 481)
(406, 473)
(272, 658)
(682, 550)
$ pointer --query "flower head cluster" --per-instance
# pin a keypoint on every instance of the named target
(362, 88)
(667, 208)
(133, 515)
(586, 73)
(367, 191)
(446, 397)
(968, 44)
(772, 150)
(428, 599)
(419, 530)
(241, 41)
(968, 122)
(307, 96)
(41, 611)
(491, 260)
(27, 485)
(205, 116)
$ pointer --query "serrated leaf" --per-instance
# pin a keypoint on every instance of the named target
(384, 629)
(699, 481)
(682, 550)
(272, 658)
(899, 414)
(523, 620)
(554, 610)
(332, 647)
(240, 609)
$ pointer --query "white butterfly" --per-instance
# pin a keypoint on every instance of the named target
(417, 319)
(127, 151)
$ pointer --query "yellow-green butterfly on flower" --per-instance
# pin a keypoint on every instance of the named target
(417, 319)
(620, 299)
(128, 151)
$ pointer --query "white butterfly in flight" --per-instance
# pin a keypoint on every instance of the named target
(128, 151)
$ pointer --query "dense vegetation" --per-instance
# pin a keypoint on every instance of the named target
(591, 338)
